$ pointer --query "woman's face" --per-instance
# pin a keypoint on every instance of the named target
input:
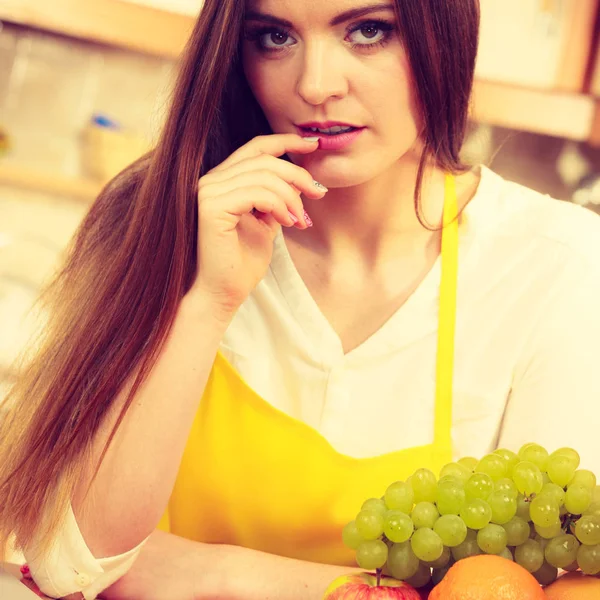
(315, 61)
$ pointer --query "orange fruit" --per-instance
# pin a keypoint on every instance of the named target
(574, 586)
(487, 577)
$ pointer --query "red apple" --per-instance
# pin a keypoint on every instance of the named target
(363, 586)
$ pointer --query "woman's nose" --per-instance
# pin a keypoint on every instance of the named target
(322, 73)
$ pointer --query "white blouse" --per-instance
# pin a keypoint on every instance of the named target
(527, 346)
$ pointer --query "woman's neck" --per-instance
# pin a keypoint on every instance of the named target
(375, 221)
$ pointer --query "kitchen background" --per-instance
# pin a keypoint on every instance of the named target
(84, 86)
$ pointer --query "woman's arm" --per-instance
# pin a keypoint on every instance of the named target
(138, 473)
(179, 569)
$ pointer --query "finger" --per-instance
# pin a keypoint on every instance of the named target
(294, 175)
(265, 179)
(241, 201)
(266, 220)
(275, 145)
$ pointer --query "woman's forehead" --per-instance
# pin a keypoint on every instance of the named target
(314, 10)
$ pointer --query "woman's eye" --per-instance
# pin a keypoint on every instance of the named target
(365, 35)
(274, 40)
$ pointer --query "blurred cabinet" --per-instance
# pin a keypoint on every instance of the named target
(123, 24)
(543, 44)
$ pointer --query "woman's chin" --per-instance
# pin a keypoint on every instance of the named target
(335, 172)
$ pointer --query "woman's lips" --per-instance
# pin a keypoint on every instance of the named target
(336, 141)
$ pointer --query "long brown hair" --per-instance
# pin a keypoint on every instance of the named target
(133, 258)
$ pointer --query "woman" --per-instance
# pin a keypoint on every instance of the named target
(245, 374)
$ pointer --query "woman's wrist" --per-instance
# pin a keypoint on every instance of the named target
(202, 306)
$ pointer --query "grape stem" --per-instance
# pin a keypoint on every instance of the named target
(378, 577)
(568, 521)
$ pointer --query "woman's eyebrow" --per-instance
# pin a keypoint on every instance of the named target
(341, 18)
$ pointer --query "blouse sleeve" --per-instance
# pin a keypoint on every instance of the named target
(555, 396)
(70, 566)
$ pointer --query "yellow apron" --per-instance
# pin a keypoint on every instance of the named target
(253, 476)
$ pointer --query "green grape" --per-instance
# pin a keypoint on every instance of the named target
(425, 514)
(504, 507)
(523, 506)
(450, 498)
(469, 547)
(551, 489)
(572, 567)
(421, 578)
(544, 511)
(424, 485)
(457, 470)
(451, 529)
(426, 544)
(402, 562)
(517, 531)
(399, 496)
(508, 486)
(561, 551)
(546, 574)
(528, 478)
(450, 479)
(535, 454)
(371, 554)
(545, 478)
(530, 556)
(561, 469)
(374, 504)
(442, 561)
(592, 509)
(351, 537)
(479, 485)
(524, 447)
(469, 462)
(585, 478)
(438, 574)
(587, 530)
(571, 454)
(476, 514)
(397, 526)
(549, 532)
(493, 465)
(506, 553)
(510, 457)
(588, 559)
(540, 540)
(577, 499)
(492, 538)
(369, 524)
(596, 494)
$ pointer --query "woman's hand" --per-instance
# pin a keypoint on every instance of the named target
(242, 203)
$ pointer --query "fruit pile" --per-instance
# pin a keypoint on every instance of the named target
(534, 508)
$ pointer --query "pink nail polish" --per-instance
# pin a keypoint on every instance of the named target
(293, 217)
(308, 220)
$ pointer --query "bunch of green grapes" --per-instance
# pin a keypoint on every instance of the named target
(533, 507)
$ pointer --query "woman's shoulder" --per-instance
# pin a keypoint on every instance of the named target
(504, 209)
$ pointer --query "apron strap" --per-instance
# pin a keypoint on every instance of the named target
(447, 318)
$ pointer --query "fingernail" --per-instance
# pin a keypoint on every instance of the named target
(311, 139)
(320, 186)
(307, 220)
(293, 217)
